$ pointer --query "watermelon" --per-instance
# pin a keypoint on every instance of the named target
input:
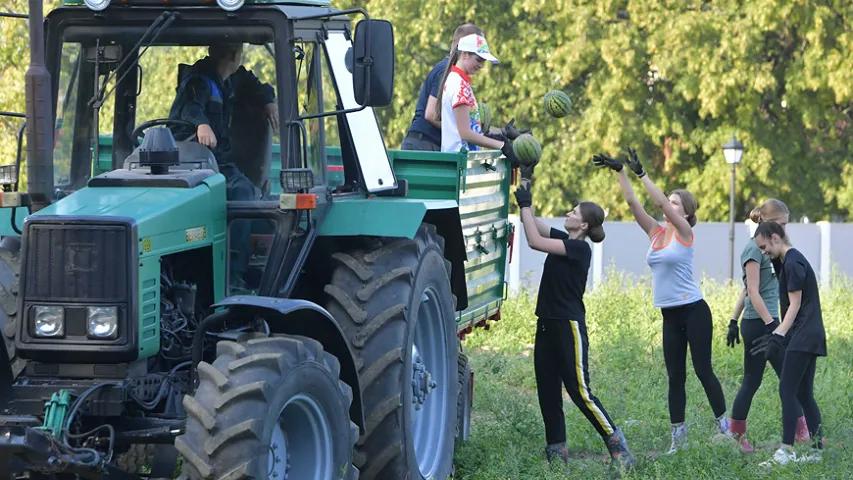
(527, 149)
(557, 103)
(485, 117)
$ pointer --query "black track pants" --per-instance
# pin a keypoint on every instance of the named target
(560, 358)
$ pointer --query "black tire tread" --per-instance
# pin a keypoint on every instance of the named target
(359, 299)
(244, 371)
(462, 370)
(10, 269)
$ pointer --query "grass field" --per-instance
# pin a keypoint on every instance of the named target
(628, 376)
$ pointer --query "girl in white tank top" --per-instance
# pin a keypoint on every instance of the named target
(686, 316)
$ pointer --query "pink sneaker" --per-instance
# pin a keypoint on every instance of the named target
(803, 431)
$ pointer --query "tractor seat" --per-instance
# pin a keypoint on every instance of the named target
(193, 156)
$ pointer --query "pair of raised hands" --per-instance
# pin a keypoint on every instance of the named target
(631, 161)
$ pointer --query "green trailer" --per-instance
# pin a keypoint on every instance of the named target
(131, 341)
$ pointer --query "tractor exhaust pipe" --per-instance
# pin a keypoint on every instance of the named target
(39, 115)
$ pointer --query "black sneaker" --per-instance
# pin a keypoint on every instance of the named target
(620, 456)
(557, 451)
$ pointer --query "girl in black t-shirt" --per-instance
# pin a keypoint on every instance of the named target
(561, 348)
(800, 336)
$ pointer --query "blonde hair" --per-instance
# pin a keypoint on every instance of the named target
(689, 203)
(461, 31)
(771, 209)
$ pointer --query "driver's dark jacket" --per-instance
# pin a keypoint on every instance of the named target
(202, 97)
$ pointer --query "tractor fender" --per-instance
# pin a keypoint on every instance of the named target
(366, 217)
(301, 317)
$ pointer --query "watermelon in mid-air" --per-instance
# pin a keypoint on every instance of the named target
(527, 149)
(557, 103)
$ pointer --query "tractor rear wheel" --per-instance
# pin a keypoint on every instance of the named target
(269, 408)
(465, 400)
(394, 302)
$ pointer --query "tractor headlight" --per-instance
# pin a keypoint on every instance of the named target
(102, 322)
(229, 5)
(48, 321)
(97, 5)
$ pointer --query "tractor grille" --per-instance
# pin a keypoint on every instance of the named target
(78, 262)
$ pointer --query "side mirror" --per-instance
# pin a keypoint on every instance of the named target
(373, 63)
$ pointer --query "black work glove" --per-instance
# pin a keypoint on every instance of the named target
(523, 197)
(634, 163)
(527, 171)
(771, 327)
(506, 149)
(511, 132)
(602, 160)
(732, 336)
(495, 135)
(770, 345)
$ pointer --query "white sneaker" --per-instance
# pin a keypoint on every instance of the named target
(679, 438)
(814, 456)
(785, 455)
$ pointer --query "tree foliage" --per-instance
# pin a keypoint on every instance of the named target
(673, 79)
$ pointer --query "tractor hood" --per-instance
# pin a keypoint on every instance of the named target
(161, 215)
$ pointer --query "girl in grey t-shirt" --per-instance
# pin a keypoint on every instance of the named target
(759, 303)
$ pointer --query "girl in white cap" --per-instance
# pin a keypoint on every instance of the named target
(459, 113)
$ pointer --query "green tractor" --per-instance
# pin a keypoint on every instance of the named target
(131, 345)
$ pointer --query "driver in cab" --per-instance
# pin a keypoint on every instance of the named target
(206, 94)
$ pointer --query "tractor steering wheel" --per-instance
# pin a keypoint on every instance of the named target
(137, 132)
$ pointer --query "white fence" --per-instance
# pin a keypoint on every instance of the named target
(827, 246)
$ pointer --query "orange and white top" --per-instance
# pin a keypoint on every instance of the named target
(672, 271)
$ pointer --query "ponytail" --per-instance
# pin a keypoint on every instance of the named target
(771, 209)
(454, 57)
(755, 215)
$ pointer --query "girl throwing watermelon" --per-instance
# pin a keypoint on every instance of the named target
(686, 315)
(560, 355)
(459, 114)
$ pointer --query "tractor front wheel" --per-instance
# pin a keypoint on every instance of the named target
(393, 299)
(269, 408)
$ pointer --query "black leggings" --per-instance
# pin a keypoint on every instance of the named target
(560, 358)
(689, 325)
(751, 329)
(796, 387)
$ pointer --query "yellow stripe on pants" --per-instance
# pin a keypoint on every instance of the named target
(584, 390)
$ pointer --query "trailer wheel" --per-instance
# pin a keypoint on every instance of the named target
(393, 300)
(269, 408)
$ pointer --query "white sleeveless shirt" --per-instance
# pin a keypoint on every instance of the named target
(672, 272)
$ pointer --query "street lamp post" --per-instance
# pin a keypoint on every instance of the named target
(733, 151)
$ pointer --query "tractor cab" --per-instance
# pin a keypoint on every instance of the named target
(116, 75)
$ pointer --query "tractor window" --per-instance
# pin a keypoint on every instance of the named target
(317, 95)
(69, 72)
